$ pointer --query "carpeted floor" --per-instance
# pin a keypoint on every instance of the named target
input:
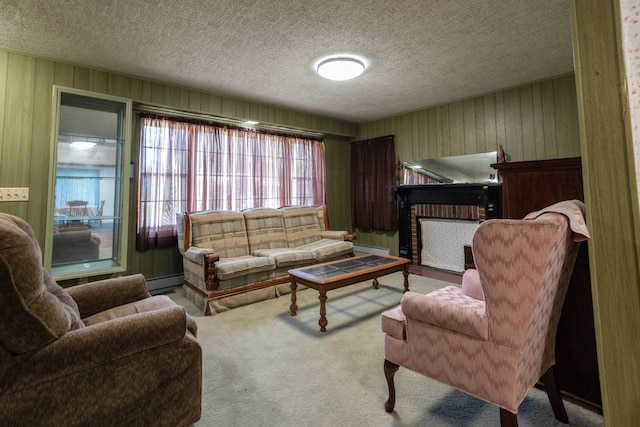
(263, 367)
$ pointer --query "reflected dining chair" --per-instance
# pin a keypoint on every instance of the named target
(494, 337)
(97, 216)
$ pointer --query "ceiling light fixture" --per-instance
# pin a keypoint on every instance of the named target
(82, 145)
(250, 122)
(342, 68)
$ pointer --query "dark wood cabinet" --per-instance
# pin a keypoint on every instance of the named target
(530, 186)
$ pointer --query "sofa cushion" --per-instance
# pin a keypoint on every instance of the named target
(301, 225)
(229, 268)
(32, 316)
(285, 257)
(223, 231)
(265, 229)
(327, 249)
(448, 308)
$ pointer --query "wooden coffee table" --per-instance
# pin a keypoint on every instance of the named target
(337, 274)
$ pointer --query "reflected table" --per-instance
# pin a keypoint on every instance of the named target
(336, 274)
(63, 215)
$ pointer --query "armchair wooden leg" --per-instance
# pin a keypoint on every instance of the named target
(508, 419)
(390, 369)
(555, 398)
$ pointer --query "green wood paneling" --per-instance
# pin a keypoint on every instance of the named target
(40, 145)
(17, 131)
(490, 124)
(4, 160)
(480, 134)
(337, 178)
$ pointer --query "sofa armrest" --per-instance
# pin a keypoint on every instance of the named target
(101, 295)
(450, 309)
(333, 235)
(98, 345)
(197, 255)
(206, 258)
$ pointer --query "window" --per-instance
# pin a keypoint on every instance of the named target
(192, 166)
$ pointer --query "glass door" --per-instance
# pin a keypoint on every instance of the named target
(88, 191)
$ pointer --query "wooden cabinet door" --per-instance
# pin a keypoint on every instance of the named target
(530, 186)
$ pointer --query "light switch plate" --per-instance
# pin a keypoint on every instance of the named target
(17, 194)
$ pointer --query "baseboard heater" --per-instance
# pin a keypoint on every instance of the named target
(165, 282)
(370, 250)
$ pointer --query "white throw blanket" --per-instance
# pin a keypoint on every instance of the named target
(574, 210)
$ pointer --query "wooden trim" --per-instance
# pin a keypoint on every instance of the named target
(249, 287)
(547, 164)
(234, 291)
(209, 271)
(187, 231)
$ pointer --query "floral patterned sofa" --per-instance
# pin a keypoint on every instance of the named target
(234, 258)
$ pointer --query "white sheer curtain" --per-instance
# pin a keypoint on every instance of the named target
(188, 166)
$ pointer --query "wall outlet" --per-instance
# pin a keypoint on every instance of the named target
(19, 194)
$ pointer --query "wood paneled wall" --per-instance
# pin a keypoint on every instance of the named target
(338, 194)
(532, 122)
(611, 196)
(26, 84)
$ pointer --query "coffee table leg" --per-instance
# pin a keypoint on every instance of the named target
(293, 307)
(405, 273)
(323, 311)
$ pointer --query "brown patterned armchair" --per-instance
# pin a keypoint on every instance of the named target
(104, 353)
(494, 337)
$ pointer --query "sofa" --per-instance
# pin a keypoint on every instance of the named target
(74, 244)
(233, 258)
(104, 353)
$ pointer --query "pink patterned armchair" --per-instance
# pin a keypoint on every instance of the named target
(494, 337)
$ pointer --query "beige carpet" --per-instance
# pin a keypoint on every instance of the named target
(263, 367)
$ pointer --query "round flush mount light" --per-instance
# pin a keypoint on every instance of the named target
(82, 145)
(340, 69)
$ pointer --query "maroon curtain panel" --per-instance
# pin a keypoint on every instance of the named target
(373, 174)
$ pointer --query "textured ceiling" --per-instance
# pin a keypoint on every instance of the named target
(418, 53)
